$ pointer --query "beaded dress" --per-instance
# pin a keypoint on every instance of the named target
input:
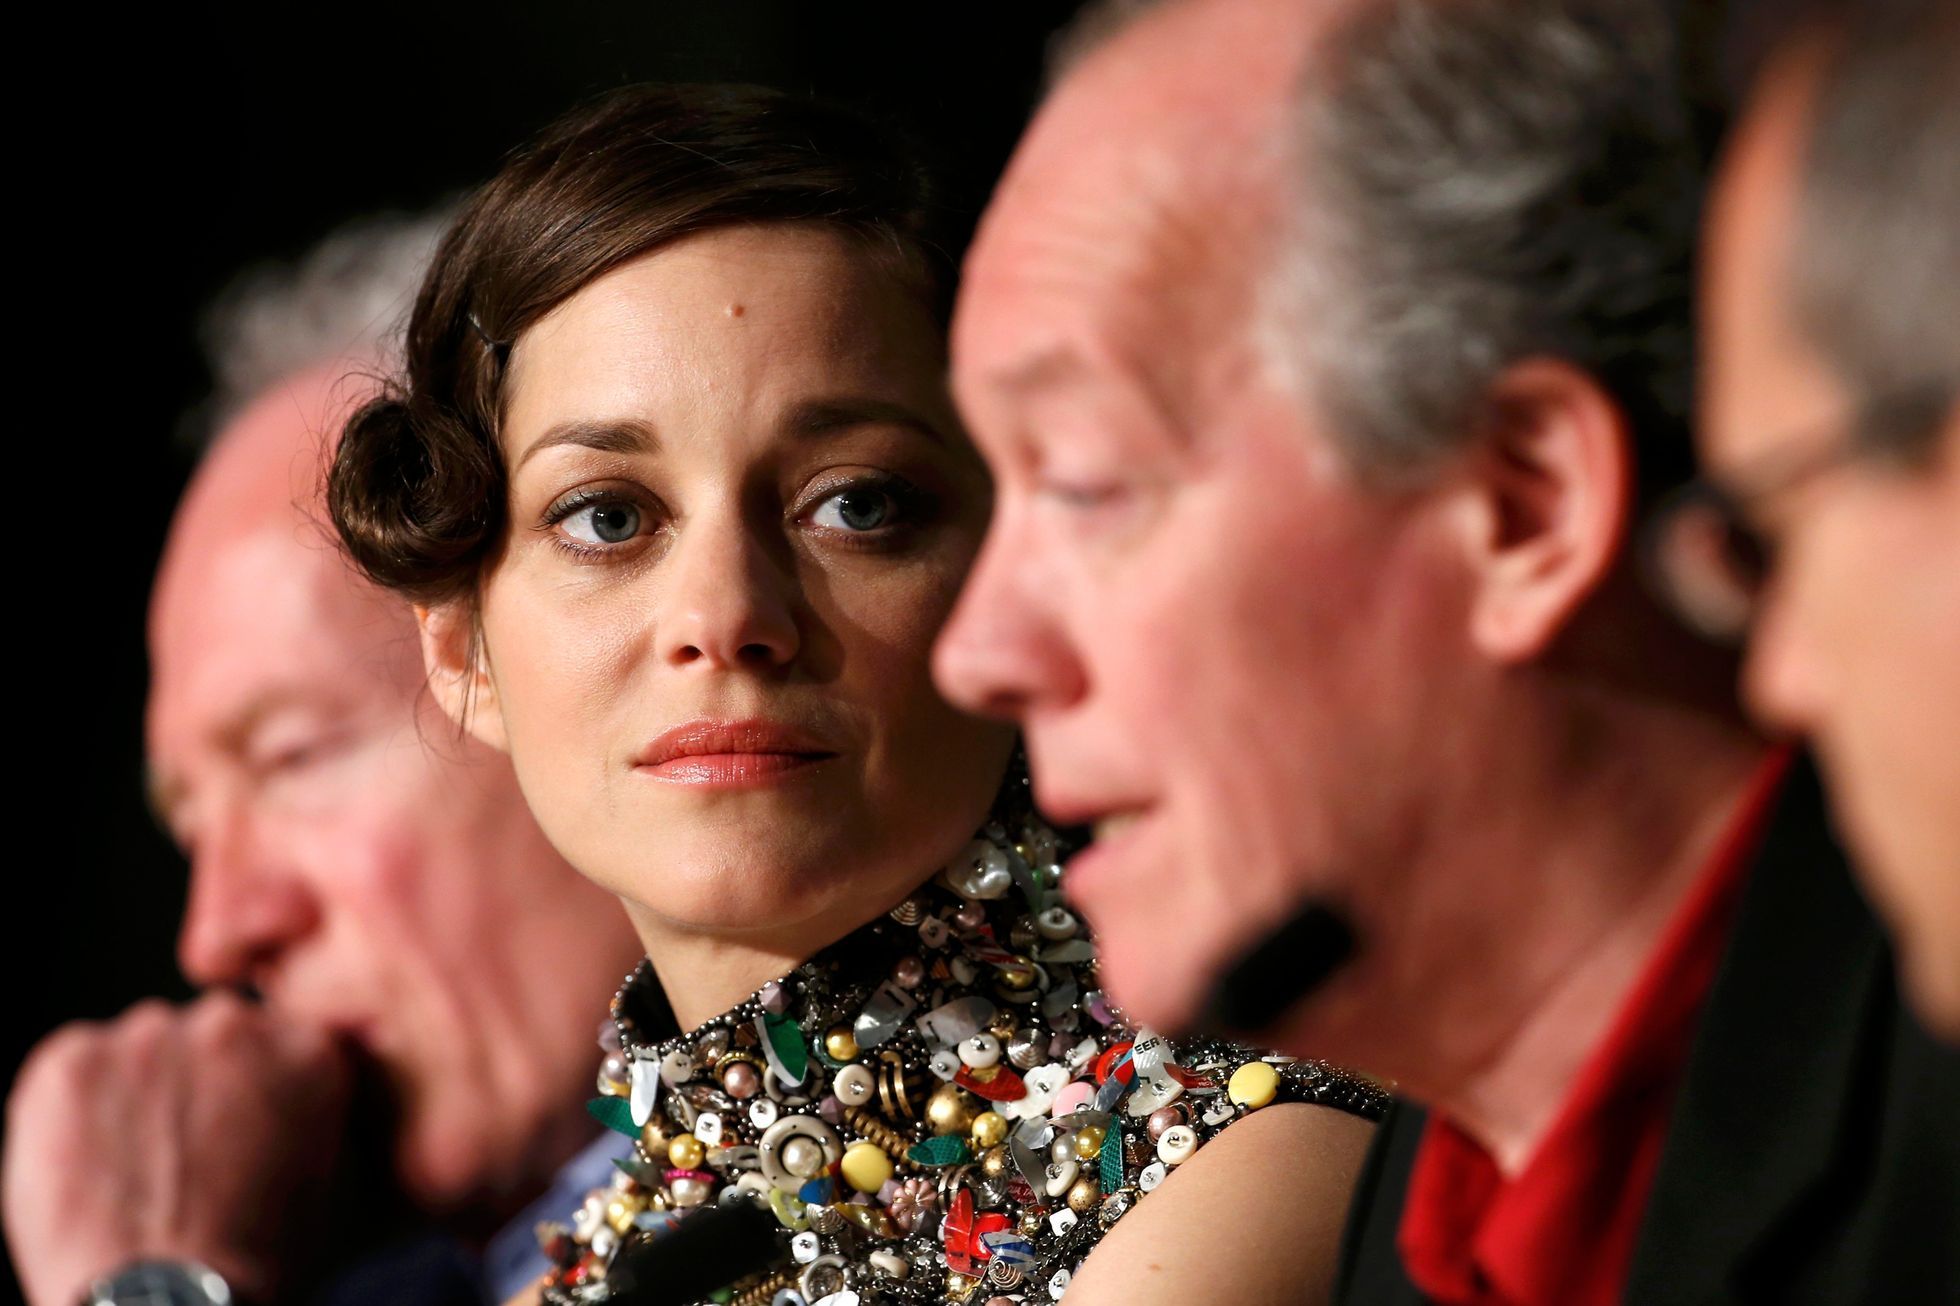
(941, 1106)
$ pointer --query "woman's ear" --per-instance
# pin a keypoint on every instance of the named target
(1551, 481)
(459, 674)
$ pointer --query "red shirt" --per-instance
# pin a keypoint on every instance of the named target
(1561, 1231)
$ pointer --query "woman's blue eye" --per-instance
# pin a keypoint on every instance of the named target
(855, 509)
(604, 523)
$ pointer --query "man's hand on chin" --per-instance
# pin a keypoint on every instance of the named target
(208, 1132)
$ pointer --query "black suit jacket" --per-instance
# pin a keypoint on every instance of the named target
(1814, 1151)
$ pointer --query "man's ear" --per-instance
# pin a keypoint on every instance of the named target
(459, 674)
(1550, 483)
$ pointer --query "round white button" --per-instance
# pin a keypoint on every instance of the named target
(980, 1051)
(1176, 1144)
(855, 1085)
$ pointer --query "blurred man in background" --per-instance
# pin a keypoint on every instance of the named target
(1323, 355)
(1832, 438)
(368, 894)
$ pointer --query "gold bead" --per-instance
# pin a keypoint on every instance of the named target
(1083, 1197)
(948, 1111)
(1088, 1143)
(686, 1152)
(654, 1137)
(1030, 1223)
(989, 1129)
(1003, 1025)
(957, 1286)
(619, 1214)
(993, 1163)
(841, 1044)
(1017, 975)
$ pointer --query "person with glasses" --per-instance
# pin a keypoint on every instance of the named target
(1826, 532)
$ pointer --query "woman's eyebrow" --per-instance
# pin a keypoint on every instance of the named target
(821, 417)
(624, 436)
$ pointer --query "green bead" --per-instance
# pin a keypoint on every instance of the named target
(946, 1149)
(614, 1113)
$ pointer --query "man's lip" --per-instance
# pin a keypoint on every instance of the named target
(1116, 833)
(727, 742)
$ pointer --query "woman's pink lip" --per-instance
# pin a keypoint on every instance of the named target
(732, 769)
(751, 737)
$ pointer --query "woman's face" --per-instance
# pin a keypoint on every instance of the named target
(740, 509)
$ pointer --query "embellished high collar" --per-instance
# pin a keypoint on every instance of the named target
(942, 1102)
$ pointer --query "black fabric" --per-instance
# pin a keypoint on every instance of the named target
(1814, 1153)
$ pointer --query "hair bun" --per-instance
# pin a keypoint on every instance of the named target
(408, 503)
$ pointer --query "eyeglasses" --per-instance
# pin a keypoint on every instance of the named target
(1702, 553)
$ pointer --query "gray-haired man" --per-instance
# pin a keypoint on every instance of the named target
(379, 885)
(1324, 354)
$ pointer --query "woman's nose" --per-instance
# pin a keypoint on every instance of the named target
(727, 603)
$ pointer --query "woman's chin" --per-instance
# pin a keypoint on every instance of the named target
(759, 896)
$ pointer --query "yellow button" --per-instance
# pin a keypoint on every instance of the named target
(1254, 1084)
(866, 1167)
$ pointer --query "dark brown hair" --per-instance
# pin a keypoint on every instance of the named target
(416, 486)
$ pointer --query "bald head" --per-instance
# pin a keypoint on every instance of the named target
(253, 604)
(1142, 198)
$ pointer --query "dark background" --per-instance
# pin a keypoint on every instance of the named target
(185, 147)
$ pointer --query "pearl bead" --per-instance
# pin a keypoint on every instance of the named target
(989, 1129)
(1176, 1144)
(855, 1085)
(1164, 1117)
(740, 1080)
(803, 1157)
(689, 1190)
(981, 1051)
(1253, 1085)
(686, 1152)
(1088, 1142)
(909, 973)
(841, 1044)
(866, 1167)
(1083, 1196)
(614, 1078)
(970, 916)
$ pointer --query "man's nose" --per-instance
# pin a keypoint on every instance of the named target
(726, 603)
(1003, 653)
(1780, 676)
(245, 907)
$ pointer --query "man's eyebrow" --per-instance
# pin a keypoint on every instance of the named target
(817, 418)
(1039, 370)
(622, 436)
